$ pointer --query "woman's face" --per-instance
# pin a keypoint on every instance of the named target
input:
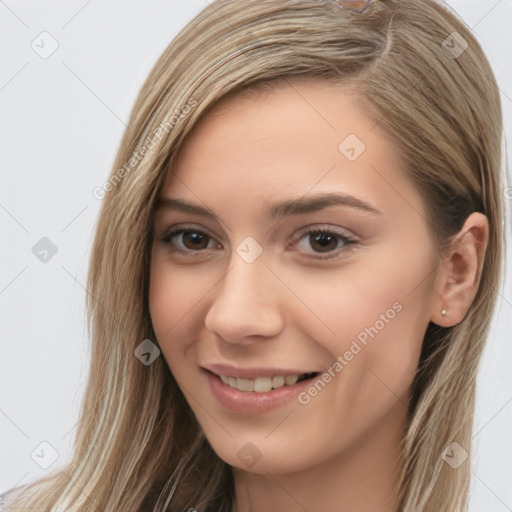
(288, 241)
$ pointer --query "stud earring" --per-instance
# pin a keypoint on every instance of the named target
(444, 312)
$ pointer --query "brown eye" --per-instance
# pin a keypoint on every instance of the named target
(188, 240)
(322, 241)
(193, 240)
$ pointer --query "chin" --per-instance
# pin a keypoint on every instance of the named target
(263, 457)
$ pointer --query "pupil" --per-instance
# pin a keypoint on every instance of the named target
(195, 239)
(323, 240)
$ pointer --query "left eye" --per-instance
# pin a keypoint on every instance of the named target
(323, 241)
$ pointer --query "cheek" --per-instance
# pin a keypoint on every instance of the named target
(374, 313)
(354, 304)
(174, 296)
(372, 328)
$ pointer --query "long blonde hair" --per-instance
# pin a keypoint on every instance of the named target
(138, 446)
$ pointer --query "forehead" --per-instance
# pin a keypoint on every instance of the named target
(288, 137)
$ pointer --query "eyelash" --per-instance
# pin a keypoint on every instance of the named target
(348, 241)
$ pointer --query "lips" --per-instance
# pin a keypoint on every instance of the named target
(261, 399)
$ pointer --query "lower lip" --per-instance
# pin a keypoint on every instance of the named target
(251, 402)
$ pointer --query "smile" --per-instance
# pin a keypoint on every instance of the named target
(264, 384)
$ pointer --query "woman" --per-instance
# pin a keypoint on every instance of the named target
(294, 269)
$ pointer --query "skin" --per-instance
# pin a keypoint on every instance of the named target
(290, 309)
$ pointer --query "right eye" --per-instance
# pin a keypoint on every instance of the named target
(188, 240)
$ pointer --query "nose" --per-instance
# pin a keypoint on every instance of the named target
(246, 303)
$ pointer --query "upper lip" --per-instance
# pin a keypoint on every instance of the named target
(253, 373)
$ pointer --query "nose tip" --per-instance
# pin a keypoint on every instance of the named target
(245, 304)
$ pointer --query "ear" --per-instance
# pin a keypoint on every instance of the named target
(460, 271)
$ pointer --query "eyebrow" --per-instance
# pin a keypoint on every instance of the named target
(282, 209)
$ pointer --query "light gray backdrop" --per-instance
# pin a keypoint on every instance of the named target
(69, 75)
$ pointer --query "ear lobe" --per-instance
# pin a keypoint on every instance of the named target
(460, 271)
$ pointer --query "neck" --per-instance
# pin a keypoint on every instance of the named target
(362, 477)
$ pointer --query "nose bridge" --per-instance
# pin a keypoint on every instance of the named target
(245, 283)
(245, 301)
(239, 277)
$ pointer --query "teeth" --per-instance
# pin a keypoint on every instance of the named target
(290, 380)
(245, 384)
(278, 382)
(262, 384)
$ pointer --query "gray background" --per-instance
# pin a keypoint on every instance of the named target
(61, 121)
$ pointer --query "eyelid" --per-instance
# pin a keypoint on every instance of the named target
(177, 228)
(318, 226)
